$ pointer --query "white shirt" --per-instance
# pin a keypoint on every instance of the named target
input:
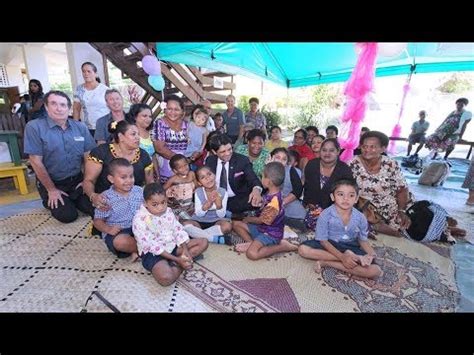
(93, 105)
(210, 126)
(466, 115)
(156, 234)
(230, 193)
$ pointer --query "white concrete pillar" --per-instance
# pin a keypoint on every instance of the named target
(15, 78)
(78, 53)
(36, 66)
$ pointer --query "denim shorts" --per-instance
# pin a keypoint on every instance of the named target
(263, 238)
(341, 246)
(149, 260)
(109, 241)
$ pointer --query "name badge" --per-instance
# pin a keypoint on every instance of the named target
(79, 139)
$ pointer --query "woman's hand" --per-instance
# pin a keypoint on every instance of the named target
(405, 221)
(100, 202)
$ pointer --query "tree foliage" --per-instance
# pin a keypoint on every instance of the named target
(244, 103)
(315, 108)
(457, 83)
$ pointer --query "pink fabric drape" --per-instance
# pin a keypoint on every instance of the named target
(397, 130)
(356, 91)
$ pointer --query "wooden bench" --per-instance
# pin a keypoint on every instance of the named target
(18, 174)
(461, 142)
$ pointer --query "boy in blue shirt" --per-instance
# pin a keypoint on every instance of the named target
(124, 199)
(341, 236)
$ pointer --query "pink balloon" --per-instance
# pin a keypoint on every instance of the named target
(151, 65)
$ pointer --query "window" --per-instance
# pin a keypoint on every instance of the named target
(3, 76)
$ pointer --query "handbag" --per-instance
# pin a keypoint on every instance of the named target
(369, 210)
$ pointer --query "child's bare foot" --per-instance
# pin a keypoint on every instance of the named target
(351, 253)
(187, 261)
(134, 257)
(242, 247)
(288, 245)
(317, 267)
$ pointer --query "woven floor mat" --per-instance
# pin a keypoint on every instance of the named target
(46, 266)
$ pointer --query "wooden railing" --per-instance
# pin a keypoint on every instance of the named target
(460, 142)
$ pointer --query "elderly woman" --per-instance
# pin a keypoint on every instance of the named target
(304, 151)
(125, 144)
(170, 135)
(381, 181)
(451, 130)
(255, 151)
(320, 174)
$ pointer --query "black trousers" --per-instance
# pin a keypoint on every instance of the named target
(239, 204)
(76, 200)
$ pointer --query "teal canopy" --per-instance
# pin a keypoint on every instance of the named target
(304, 64)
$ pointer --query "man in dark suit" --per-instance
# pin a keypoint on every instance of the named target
(235, 174)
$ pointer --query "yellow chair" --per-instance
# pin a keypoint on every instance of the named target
(18, 174)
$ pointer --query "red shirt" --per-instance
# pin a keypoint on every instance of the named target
(303, 150)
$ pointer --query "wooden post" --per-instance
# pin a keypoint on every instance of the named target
(106, 70)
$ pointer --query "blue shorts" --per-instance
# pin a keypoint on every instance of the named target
(109, 241)
(416, 138)
(149, 260)
(341, 246)
(263, 238)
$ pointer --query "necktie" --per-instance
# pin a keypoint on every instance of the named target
(223, 180)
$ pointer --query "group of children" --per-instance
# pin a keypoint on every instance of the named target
(168, 231)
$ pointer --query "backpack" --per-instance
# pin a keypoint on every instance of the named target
(413, 161)
(435, 174)
(413, 164)
(428, 222)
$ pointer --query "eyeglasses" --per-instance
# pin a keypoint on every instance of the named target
(299, 137)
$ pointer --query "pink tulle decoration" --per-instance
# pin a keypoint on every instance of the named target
(357, 88)
(397, 130)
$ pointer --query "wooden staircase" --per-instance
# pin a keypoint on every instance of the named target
(191, 82)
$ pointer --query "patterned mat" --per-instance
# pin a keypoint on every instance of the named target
(46, 266)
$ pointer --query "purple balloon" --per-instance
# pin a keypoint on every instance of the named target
(151, 65)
